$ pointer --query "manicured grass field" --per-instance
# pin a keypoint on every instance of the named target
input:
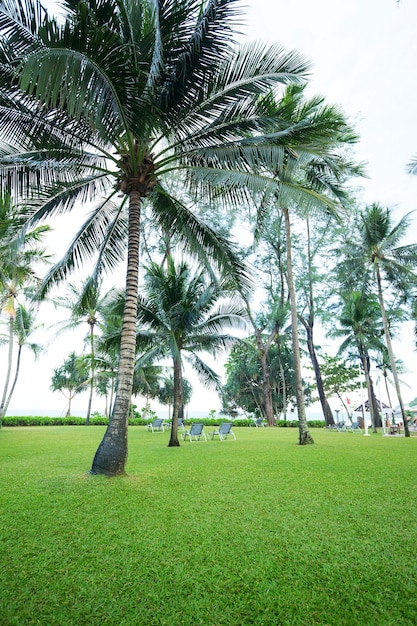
(254, 531)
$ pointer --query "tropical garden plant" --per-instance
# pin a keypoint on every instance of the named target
(71, 378)
(20, 255)
(25, 325)
(87, 305)
(182, 314)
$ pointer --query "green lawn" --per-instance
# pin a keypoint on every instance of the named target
(254, 531)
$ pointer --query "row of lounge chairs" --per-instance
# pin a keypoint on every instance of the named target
(342, 427)
(196, 431)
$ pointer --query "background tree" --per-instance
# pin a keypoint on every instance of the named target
(24, 326)
(182, 316)
(244, 378)
(360, 325)
(385, 266)
(309, 303)
(339, 378)
(71, 378)
(87, 305)
(313, 164)
(166, 392)
(20, 255)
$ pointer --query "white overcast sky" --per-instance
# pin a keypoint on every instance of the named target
(364, 58)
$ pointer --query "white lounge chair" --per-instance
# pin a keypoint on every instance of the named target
(194, 433)
(223, 431)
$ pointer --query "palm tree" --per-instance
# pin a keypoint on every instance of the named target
(19, 255)
(87, 305)
(166, 392)
(184, 316)
(360, 326)
(71, 378)
(381, 262)
(24, 326)
(111, 102)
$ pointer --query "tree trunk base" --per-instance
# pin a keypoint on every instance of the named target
(102, 472)
(174, 444)
(305, 439)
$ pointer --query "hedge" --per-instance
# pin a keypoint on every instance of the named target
(97, 420)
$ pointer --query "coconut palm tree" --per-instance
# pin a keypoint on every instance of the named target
(379, 262)
(183, 316)
(70, 378)
(360, 326)
(87, 305)
(114, 99)
(19, 255)
(24, 326)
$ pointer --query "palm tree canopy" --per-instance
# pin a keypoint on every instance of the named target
(380, 241)
(121, 94)
(360, 324)
(186, 315)
(19, 254)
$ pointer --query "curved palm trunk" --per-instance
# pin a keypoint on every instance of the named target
(178, 403)
(68, 413)
(391, 352)
(304, 434)
(111, 456)
(9, 369)
(9, 397)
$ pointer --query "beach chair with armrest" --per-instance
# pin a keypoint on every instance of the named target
(157, 425)
(194, 433)
(223, 431)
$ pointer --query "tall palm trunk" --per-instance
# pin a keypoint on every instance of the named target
(390, 351)
(111, 456)
(90, 397)
(178, 403)
(3, 406)
(304, 434)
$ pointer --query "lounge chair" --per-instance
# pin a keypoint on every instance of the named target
(194, 433)
(156, 425)
(181, 426)
(223, 431)
(341, 427)
(258, 422)
(354, 428)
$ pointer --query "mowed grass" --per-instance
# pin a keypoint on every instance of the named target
(254, 531)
